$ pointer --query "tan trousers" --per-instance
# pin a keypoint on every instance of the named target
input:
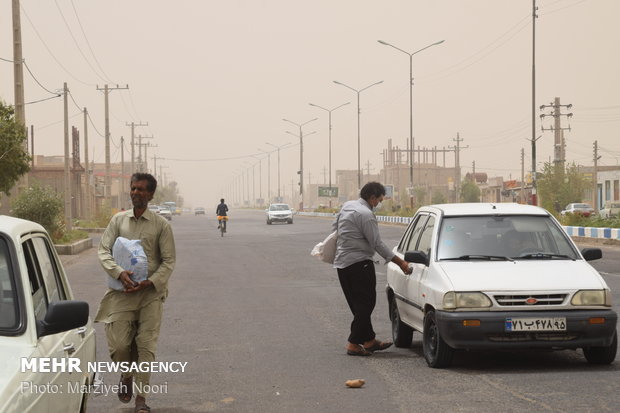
(136, 341)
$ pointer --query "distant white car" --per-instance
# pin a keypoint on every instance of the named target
(578, 209)
(611, 209)
(279, 213)
(39, 319)
(165, 212)
(497, 276)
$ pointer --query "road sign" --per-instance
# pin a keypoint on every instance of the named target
(326, 191)
(389, 191)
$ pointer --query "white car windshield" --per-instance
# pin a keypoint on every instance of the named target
(514, 236)
(7, 292)
(279, 208)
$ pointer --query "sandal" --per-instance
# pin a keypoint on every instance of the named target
(142, 408)
(125, 389)
(379, 345)
(359, 352)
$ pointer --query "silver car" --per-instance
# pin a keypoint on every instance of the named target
(279, 213)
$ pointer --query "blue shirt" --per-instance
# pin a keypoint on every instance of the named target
(358, 235)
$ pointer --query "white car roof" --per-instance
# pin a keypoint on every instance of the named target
(485, 209)
(14, 227)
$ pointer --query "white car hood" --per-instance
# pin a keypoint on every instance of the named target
(548, 275)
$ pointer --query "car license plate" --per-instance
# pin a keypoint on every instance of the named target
(536, 324)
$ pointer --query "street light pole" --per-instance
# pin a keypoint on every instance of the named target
(268, 174)
(301, 158)
(411, 148)
(260, 177)
(358, 91)
(329, 111)
(278, 148)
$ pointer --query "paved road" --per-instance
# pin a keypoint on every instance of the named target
(262, 325)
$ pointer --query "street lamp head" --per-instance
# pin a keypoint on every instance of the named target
(385, 43)
(439, 42)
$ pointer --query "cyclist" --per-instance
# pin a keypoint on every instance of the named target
(221, 211)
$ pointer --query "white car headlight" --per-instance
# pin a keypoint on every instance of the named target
(592, 297)
(453, 300)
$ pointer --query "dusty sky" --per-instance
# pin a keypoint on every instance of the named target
(215, 78)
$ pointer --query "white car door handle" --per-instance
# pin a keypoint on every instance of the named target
(69, 348)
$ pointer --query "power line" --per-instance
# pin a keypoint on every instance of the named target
(42, 100)
(88, 43)
(446, 72)
(75, 41)
(39, 83)
(56, 123)
(49, 51)
(561, 8)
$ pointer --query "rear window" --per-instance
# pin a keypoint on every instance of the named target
(8, 296)
(282, 207)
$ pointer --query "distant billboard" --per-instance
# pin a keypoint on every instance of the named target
(326, 191)
(389, 191)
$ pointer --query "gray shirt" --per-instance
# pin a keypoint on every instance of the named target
(358, 235)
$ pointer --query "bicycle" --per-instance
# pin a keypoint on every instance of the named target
(222, 224)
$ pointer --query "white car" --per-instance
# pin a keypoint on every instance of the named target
(279, 213)
(39, 321)
(578, 209)
(165, 212)
(498, 276)
(610, 209)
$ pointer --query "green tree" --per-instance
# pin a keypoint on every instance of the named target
(559, 187)
(42, 205)
(469, 191)
(14, 159)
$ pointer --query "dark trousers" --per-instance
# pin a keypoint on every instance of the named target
(359, 284)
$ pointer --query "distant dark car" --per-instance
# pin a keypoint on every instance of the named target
(578, 209)
(199, 211)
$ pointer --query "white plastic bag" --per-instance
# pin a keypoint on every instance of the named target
(130, 256)
(326, 249)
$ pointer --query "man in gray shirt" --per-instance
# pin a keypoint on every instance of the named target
(358, 240)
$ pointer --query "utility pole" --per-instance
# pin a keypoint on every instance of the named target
(133, 134)
(473, 169)
(87, 205)
(301, 157)
(368, 170)
(457, 165)
(534, 139)
(558, 145)
(67, 183)
(146, 156)
(108, 176)
(155, 166)
(141, 165)
(18, 80)
(595, 203)
(122, 180)
(522, 176)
